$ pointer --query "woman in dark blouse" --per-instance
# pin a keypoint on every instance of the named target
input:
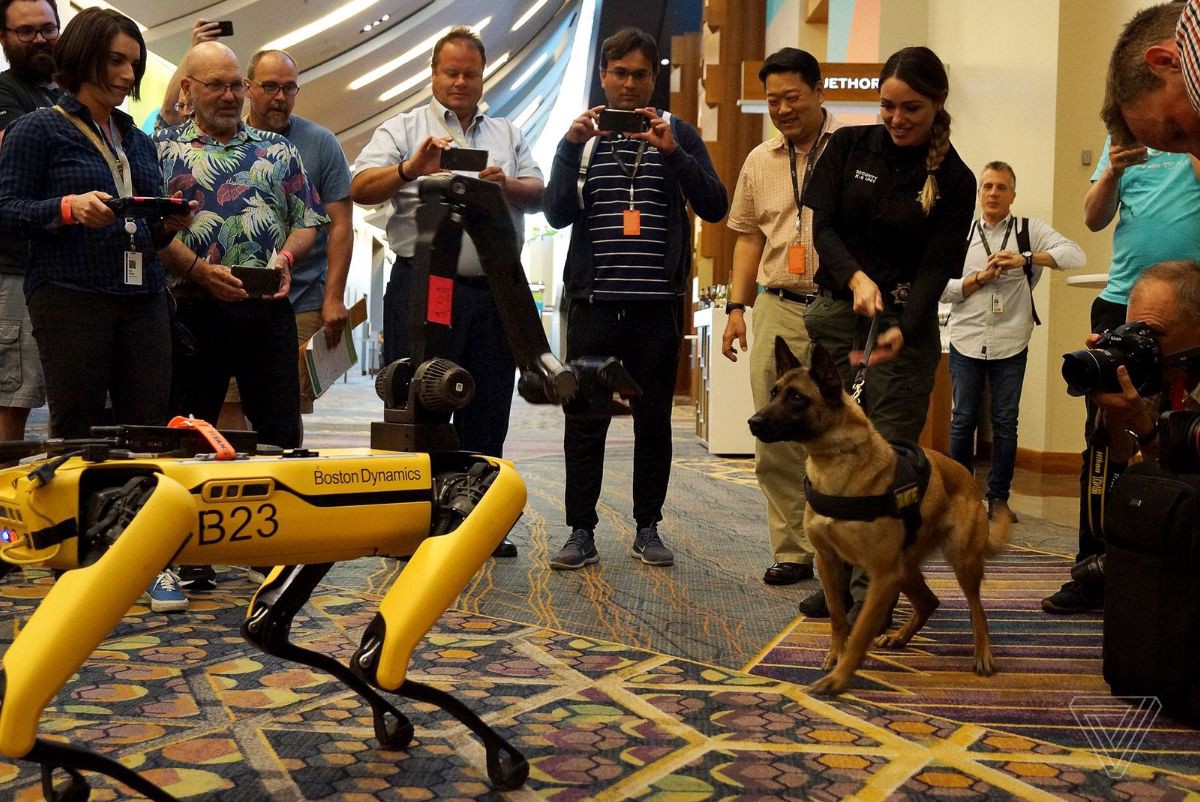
(94, 286)
(892, 205)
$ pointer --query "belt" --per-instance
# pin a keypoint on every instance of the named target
(794, 297)
(479, 282)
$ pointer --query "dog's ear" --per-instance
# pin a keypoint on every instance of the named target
(785, 360)
(824, 372)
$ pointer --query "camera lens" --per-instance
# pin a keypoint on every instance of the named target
(1086, 370)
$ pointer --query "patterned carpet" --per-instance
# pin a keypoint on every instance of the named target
(192, 707)
(617, 682)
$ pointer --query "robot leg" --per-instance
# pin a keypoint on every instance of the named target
(76, 615)
(438, 571)
(268, 625)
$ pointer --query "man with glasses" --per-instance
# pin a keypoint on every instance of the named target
(30, 30)
(627, 270)
(257, 208)
(318, 279)
(390, 168)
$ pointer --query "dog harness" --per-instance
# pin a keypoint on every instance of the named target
(903, 499)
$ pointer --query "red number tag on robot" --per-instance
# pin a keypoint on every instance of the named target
(441, 300)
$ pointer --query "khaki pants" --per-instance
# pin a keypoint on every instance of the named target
(779, 466)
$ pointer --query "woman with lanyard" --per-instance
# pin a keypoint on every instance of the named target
(892, 204)
(95, 286)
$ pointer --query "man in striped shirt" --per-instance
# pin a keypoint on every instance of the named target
(627, 270)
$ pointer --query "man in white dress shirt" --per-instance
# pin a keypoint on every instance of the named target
(992, 316)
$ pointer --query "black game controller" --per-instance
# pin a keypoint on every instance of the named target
(148, 207)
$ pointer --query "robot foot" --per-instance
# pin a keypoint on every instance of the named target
(506, 767)
(71, 759)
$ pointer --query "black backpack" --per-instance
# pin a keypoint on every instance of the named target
(1152, 588)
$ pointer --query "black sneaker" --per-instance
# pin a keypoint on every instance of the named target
(196, 577)
(813, 605)
(648, 546)
(856, 609)
(578, 551)
(1071, 598)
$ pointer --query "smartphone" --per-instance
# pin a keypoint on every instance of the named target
(622, 121)
(226, 28)
(469, 159)
(257, 280)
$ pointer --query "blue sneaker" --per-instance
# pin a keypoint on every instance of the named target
(165, 595)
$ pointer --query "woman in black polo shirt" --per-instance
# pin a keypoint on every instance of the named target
(892, 204)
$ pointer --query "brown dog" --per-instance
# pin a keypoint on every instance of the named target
(847, 457)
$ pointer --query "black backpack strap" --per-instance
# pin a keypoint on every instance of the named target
(1024, 247)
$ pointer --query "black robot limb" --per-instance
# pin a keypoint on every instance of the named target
(421, 392)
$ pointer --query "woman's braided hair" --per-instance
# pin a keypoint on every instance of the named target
(923, 71)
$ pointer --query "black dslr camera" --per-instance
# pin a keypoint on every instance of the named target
(1095, 369)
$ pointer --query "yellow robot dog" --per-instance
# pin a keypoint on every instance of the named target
(114, 510)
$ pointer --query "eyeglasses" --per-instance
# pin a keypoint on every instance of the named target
(271, 88)
(621, 76)
(218, 87)
(25, 33)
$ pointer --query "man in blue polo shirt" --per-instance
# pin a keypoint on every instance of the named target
(627, 270)
(318, 279)
(390, 168)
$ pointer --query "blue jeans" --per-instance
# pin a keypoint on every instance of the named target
(1004, 377)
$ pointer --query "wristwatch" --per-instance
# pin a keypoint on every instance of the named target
(733, 306)
(1028, 259)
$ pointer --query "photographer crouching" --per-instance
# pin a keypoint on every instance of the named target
(1143, 379)
(1134, 374)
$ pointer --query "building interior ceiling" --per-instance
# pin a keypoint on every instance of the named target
(364, 61)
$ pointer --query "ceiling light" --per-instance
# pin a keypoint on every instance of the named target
(403, 86)
(527, 112)
(665, 61)
(408, 55)
(495, 65)
(529, 73)
(528, 15)
(326, 22)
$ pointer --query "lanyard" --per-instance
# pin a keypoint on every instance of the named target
(983, 237)
(459, 139)
(637, 161)
(798, 189)
(114, 155)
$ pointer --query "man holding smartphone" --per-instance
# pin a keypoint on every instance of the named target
(626, 274)
(401, 151)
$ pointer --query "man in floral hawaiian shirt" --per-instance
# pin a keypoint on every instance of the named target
(256, 209)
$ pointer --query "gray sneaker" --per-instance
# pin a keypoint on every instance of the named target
(648, 546)
(578, 551)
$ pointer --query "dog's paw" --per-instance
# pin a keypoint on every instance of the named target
(828, 685)
(985, 664)
(891, 640)
(830, 661)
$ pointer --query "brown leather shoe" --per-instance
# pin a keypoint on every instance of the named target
(788, 573)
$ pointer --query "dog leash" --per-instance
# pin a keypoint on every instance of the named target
(860, 378)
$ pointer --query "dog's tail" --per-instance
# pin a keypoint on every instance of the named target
(998, 531)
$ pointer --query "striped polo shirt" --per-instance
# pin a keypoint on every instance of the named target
(628, 268)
